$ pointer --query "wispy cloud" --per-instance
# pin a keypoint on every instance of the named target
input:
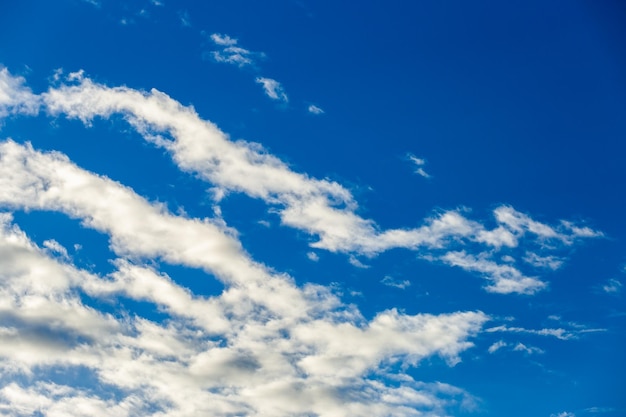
(529, 350)
(313, 256)
(314, 109)
(273, 89)
(230, 52)
(419, 165)
(391, 282)
(549, 262)
(15, 96)
(613, 286)
(506, 278)
(559, 333)
(496, 346)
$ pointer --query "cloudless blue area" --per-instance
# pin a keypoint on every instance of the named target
(509, 102)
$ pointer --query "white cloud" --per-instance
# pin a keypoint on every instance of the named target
(230, 52)
(314, 109)
(529, 350)
(549, 262)
(559, 333)
(15, 97)
(563, 414)
(223, 40)
(322, 208)
(613, 286)
(56, 247)
(496, 346)
(273, 89)
(391, 282)
(354, 261)
(313, 256)
(419, 164)
(263, 346)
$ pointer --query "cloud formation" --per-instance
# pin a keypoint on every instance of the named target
(230, 52)
(264, 345)
(322, 208)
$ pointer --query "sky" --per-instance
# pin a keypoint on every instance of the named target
(312, 208)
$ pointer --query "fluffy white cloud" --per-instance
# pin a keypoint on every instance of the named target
(273, 89)
(264, 346)
(15, 97)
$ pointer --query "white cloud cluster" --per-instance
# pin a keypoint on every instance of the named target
(263, 347)
(230, 52)
(322, 208)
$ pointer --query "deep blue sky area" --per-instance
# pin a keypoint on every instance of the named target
(414, 108)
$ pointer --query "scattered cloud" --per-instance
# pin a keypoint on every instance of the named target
(354, 261)
(313, 256)
(314, 109)
(530, 350)
(391, 282)
(613, 286)
(273, 89)
(56, 247)
(559, 333)
(230, 52)
(419, 164)
(496, 346)
(549, 262)
(506, 278)
(563, 414)
(15, 97)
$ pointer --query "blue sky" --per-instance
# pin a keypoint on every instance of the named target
(297, 208)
